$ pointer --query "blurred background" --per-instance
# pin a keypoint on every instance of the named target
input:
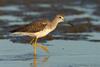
(83, 14)
(78, 44)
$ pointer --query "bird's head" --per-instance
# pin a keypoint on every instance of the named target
(59, 18)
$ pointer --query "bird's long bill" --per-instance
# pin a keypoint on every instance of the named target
(69, 24)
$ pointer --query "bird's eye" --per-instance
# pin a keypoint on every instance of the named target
(59, 17)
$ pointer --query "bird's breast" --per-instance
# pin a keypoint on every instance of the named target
(42, 33)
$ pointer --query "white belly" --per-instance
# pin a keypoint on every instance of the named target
(37, 34)
(42, 33)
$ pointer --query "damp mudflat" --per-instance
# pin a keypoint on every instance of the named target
(76, 46)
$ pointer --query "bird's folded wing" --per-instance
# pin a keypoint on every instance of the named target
(32, 27)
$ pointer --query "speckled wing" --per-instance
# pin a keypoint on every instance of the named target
(32, 27)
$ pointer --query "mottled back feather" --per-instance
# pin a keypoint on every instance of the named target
(32, 27)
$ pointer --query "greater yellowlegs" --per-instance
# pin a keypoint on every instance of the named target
(38, 29)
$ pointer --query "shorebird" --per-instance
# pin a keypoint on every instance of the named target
(38, 29)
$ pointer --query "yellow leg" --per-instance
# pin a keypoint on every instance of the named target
(45, 48)
(35, 43)
(32, 40)
(35, 46)
(35, 51)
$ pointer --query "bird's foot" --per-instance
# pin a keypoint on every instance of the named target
(44, 48)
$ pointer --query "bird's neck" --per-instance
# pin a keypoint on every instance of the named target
(54, 24)
(55, 21)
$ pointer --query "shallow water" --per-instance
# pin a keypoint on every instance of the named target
(61, 53)
(65, 49)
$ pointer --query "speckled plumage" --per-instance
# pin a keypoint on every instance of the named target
(32, 27)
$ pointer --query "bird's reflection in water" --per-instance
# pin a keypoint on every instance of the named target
(42, 59)
(35, 61)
